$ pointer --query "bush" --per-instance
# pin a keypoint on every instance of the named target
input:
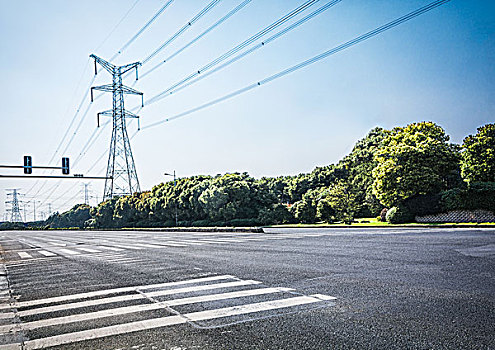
(383, 215)
(399, 215)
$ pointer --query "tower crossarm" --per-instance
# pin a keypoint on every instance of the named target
(128, 67)
(110, 68)
(130, 114)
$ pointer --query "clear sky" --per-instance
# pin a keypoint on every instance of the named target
(438, 67)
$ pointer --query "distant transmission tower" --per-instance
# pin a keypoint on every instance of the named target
(86, 194)
(15, 213)
(121, 171)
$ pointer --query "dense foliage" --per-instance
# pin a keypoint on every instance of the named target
(415, 160)
(412, 170)
(478, 156)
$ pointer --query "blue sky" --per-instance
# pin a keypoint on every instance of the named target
(436, 67)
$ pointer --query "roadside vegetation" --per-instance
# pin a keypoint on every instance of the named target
(390, 175)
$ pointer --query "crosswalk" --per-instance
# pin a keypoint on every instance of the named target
(210, 301)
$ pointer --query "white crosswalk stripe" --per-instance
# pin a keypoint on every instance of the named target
(46, 253)
(25, 255)
(197, 300)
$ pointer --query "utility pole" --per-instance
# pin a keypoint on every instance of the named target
(86, 196)
(15, 214)
(121, 172)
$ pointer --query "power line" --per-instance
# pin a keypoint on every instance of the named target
(308, 62)
(117, 25)
(188, 25)
(140, 31)
(204, 33)
(237, 48)
(264, 43)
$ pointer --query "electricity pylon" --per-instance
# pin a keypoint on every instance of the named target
(121, 172)
(15, 213)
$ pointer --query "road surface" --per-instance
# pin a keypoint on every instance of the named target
(285, 289)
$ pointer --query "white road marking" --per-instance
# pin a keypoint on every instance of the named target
(136, 308)
(46, 253)
(89, 250)
(111, 248)
(68, 251)
(5, 315)
(201, 288)
(58, 244)
(148, 245)
(130, 297)
(117, 290)
(167, 321)
(25, 255)
(81, 304)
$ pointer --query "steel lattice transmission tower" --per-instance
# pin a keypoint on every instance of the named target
(121, 172)
(15, 213)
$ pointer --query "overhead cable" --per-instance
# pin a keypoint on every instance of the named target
(237, 48)
(308, 62)
(213, 26)
(264, 43)
(188, 25)
(140, 31)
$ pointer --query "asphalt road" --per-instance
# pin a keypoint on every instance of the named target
(286, 289)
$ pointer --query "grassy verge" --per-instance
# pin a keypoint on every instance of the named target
(373, 222)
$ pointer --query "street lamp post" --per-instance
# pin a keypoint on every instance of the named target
(176, 220)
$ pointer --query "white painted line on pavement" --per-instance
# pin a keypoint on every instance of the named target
(25, 255)
(110, 248)
(201, 288)
(167, 321)
(117, 290)
(136, 308)
(46, 253)
(89, 250)
(68, 251)
(58, 244)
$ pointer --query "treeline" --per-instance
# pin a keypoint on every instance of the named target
(408, 171)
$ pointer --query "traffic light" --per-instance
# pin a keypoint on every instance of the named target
(65, 166)
(28, 165)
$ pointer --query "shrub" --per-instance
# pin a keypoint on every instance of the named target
(399, 215)
(383, 215)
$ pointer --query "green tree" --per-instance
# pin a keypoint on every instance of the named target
(414, 160)
(74, 217)
(359, 165)
(478, 155)
(343, 202)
